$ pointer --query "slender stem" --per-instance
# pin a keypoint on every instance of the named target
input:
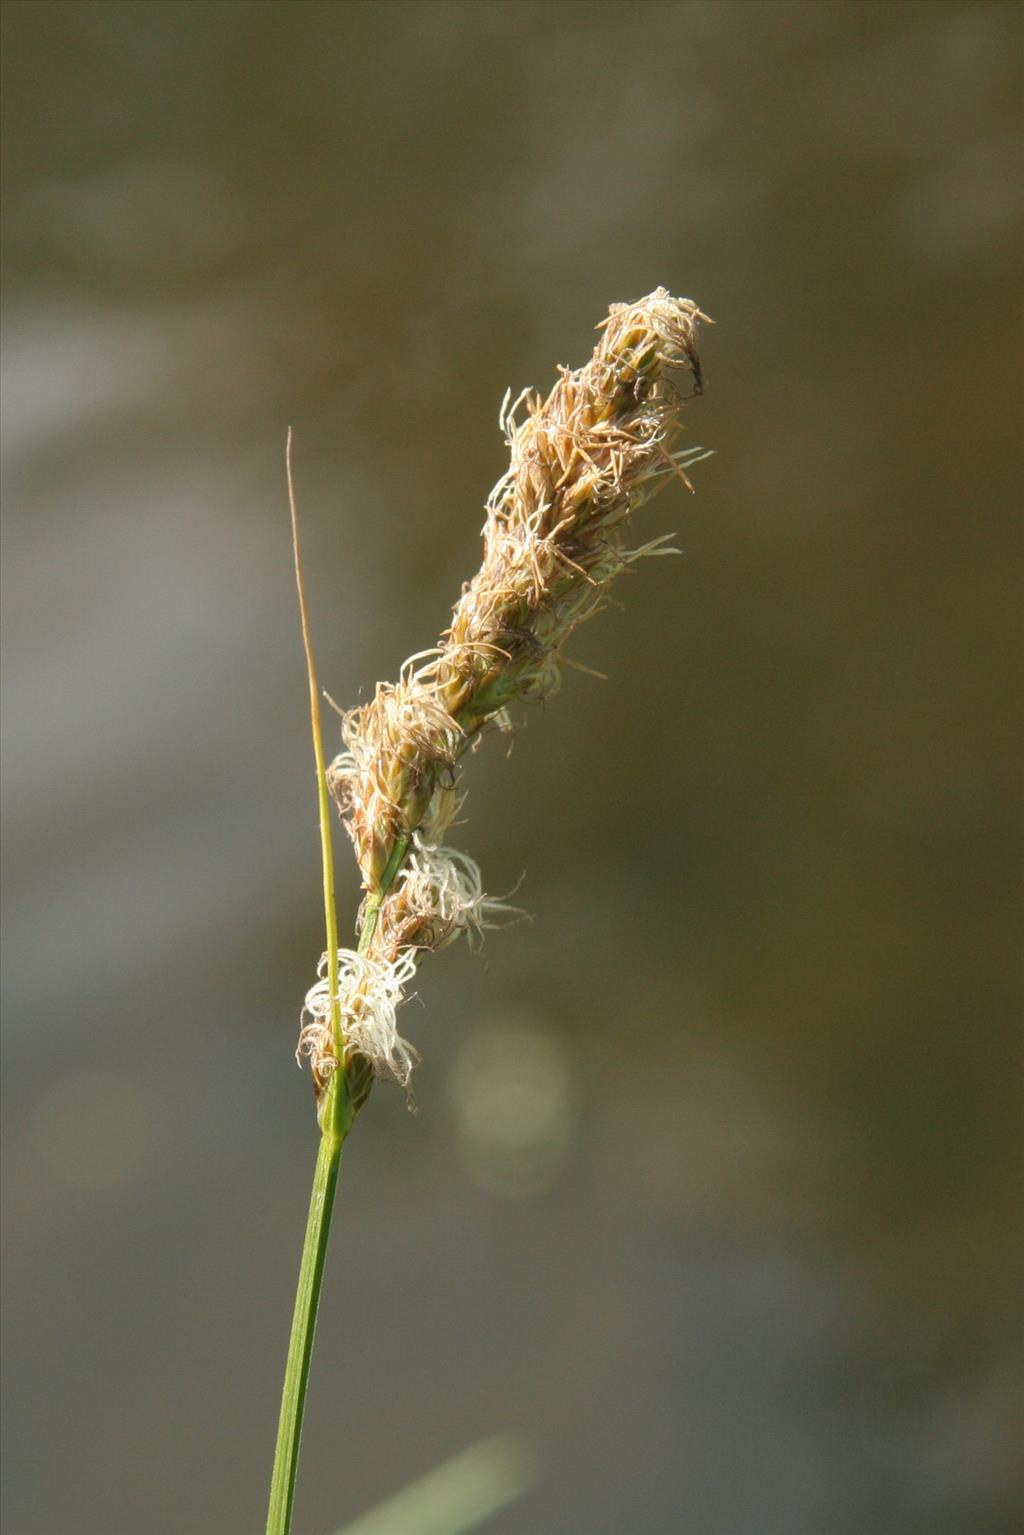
(375, 902)
(335, 1116)
(300, 1343)
(323, 796)
(336, 1107)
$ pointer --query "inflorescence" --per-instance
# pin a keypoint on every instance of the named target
(582, 461)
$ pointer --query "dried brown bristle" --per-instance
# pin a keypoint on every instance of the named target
(582, 460)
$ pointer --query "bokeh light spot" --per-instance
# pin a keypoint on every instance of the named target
(512, 1104)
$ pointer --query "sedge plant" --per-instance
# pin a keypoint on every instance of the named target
(582, 459)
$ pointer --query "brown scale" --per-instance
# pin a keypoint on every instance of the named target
(552, 540)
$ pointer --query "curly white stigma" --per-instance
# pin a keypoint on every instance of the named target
(370, 991)
(445, 885)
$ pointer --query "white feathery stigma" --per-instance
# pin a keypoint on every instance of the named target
(444, 884)
(370, 991)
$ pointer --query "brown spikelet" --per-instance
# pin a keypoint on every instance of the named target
(581, 461)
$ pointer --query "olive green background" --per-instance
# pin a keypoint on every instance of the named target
(712, 1195)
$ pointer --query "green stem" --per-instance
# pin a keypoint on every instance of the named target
(337, 1113)
(337, 1110)
(335, 1117)
(376, 901)
(300, 1343)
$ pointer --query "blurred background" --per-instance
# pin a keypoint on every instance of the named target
(712, 1194)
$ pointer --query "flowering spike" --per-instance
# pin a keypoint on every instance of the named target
(581, 461)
